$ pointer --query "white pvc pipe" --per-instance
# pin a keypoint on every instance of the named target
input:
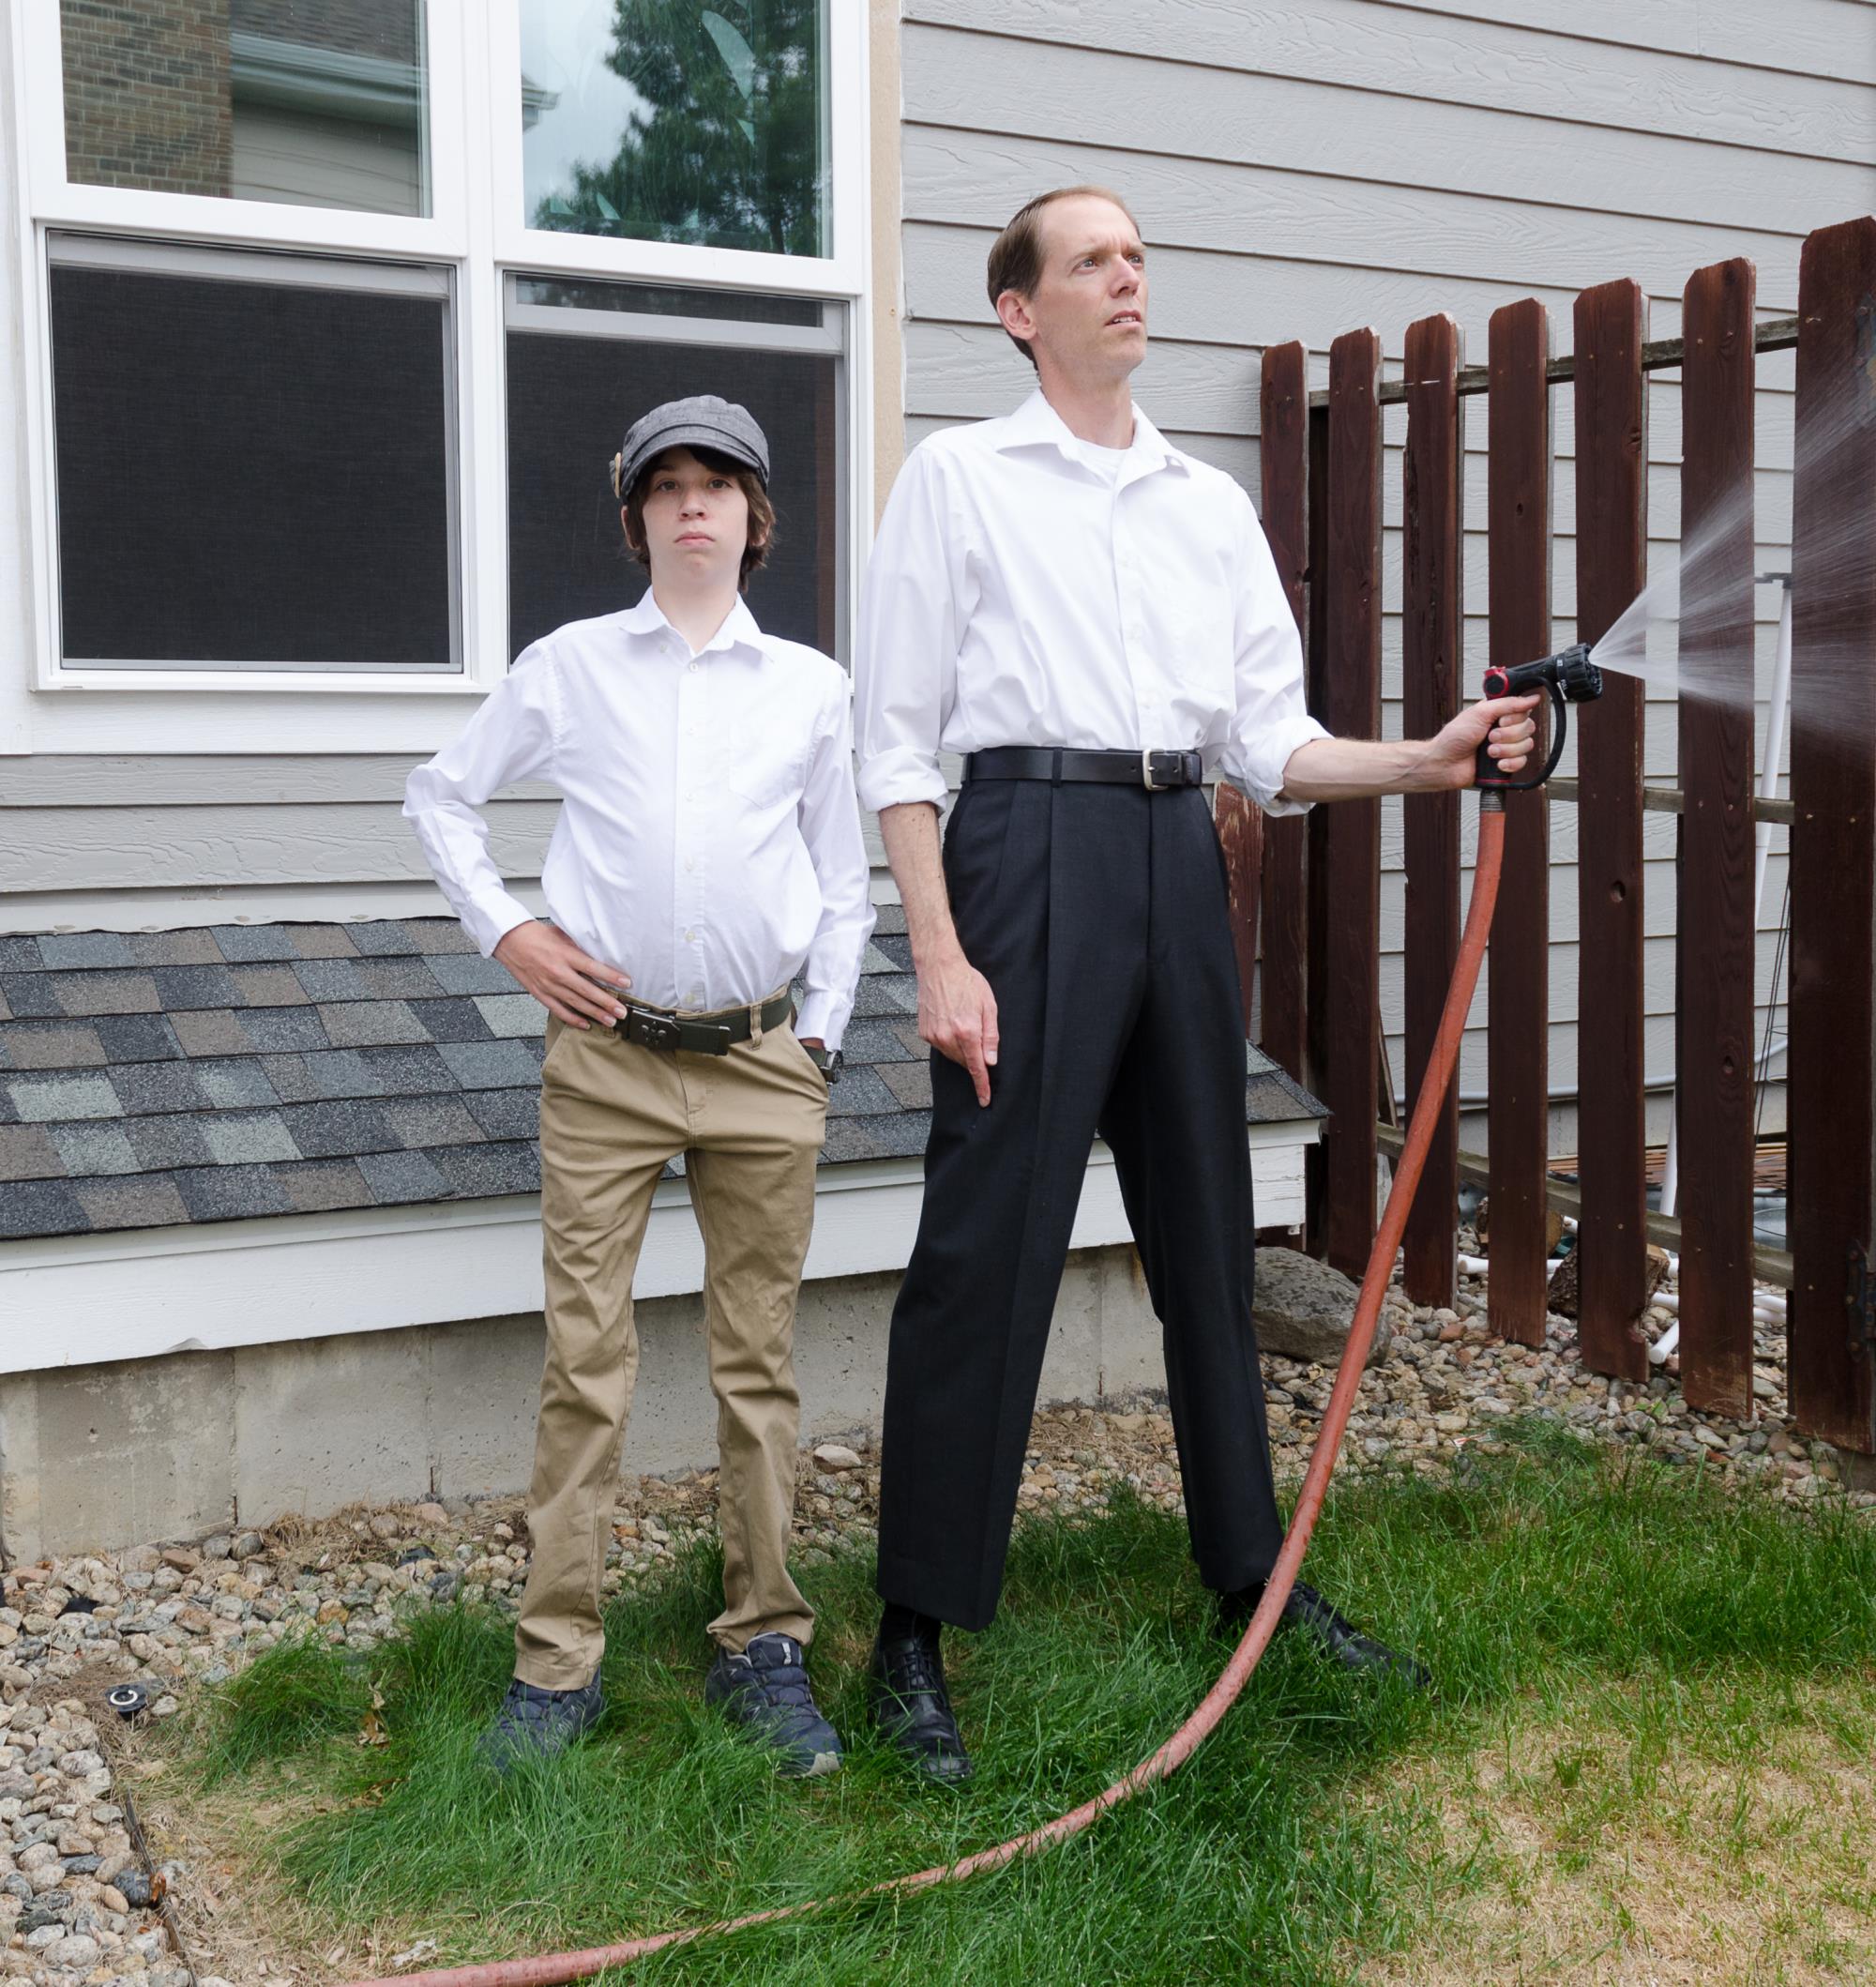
(1671, 1300)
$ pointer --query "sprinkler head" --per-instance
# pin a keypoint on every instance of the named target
(128, 1699)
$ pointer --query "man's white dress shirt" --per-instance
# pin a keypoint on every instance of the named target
(1029, 589)
(709, 844)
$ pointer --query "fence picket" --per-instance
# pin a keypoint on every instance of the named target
(1833, 862)
(1611, 546)
(1433, 652)
(1519, 468)
(1316, 823)
(1713, 919)
(1350, 879)
(1283, 452)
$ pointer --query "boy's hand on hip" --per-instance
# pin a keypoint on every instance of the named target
(560, 977)
(957, 1016)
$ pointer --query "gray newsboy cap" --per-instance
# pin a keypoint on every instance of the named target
(703, 421)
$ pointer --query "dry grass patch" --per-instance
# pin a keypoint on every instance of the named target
(1646, 1840)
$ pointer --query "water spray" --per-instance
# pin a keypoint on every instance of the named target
(1569, 677)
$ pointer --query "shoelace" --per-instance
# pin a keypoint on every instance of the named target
(781, 1681)
(784, 1683)
(919, 1671)
(1309, 1605)
(527, 1706)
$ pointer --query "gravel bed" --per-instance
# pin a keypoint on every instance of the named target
(78, 1905)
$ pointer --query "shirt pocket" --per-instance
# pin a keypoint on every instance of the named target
(764, 763)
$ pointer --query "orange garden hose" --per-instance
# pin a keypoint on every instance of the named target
(549, 1969)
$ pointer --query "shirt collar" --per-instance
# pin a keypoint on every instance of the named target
(1035, 423)
(740, 629)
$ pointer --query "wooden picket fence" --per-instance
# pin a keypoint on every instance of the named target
(1313, 885)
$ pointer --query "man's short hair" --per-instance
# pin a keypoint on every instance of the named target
(1016, 254)
(761, 539)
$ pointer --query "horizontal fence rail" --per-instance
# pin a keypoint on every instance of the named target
(1316, 884)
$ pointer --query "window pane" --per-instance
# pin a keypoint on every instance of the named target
(570, 400)
(259, 476)
(317, 103)
(673, 120)
(663, 300)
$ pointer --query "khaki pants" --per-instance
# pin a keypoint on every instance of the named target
(612, 1114)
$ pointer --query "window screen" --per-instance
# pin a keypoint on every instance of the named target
(253, 473)
(573, 393)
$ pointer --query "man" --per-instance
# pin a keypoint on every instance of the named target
(1094, 620)
(709, 848)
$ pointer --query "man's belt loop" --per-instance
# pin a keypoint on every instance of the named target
(1055, 760)
(756, 1024)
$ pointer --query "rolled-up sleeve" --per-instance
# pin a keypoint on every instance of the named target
(905, 668)
(1270, 719)
(830, 825)
(510, 737)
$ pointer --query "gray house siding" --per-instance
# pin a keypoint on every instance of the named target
(1301, 171)
(1298, 171)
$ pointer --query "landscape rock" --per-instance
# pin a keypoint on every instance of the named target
(1303, 1309)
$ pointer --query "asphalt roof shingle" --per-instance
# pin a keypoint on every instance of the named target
(223, 1073)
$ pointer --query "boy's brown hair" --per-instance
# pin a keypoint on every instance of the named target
(761, 540)
(1016, 254)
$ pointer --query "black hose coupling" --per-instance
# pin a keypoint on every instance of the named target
(1569, 677)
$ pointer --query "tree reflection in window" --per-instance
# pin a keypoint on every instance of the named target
(717, 135)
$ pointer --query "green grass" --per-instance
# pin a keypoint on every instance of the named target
(1536, 1579)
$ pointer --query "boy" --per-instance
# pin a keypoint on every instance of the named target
(709, 849)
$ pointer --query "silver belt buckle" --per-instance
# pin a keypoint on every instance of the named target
(1147, 755)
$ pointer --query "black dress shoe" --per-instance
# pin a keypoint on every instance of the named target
(1333, 1633)
(911, 1708)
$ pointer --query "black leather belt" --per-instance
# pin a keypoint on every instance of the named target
(698, 1034)
(1155, 770)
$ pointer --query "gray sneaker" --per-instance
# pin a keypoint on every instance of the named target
(533, 1723)
(765, 1689)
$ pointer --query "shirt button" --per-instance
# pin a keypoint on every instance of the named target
(691, 937)
(691, 667)
(690, 862)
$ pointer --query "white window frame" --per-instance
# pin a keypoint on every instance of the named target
(473, 49)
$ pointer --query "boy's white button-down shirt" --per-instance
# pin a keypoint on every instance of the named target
(709, 842)
(1020, 593)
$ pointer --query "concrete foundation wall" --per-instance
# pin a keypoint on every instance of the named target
(95, 1457)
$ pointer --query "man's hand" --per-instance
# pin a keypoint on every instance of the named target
(560, 977)
(1452, 756)
(957, 1010)
(957, 1016)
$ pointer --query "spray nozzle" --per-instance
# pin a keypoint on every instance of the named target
(1569, 672)
(1569, 677)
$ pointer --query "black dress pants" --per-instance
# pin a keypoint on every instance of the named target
(1098, 914)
